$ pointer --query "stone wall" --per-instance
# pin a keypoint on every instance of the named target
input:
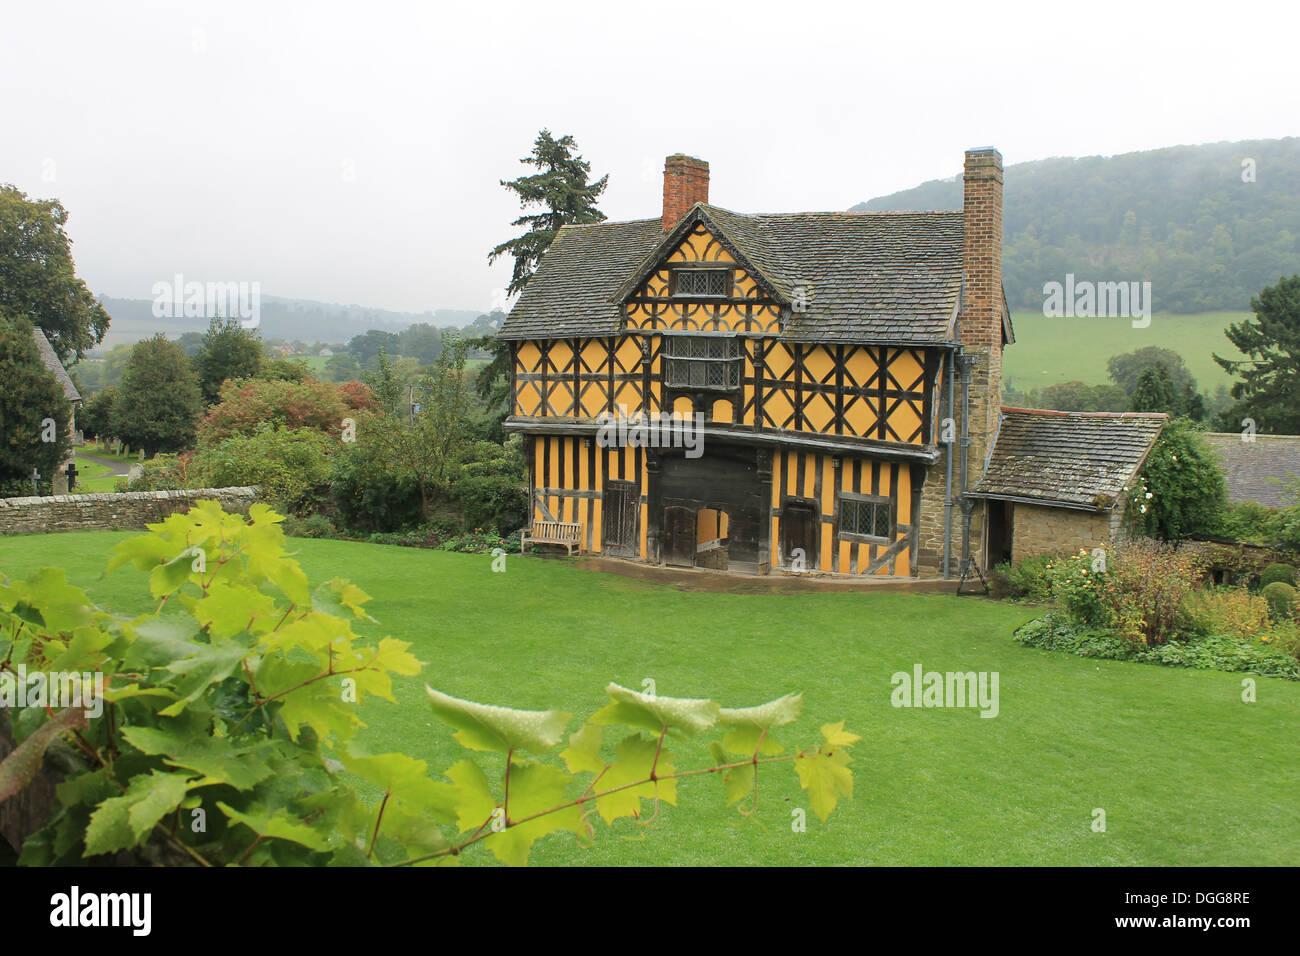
(1042, 530)
(129, 509)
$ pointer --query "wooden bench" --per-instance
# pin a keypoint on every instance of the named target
(567, 533)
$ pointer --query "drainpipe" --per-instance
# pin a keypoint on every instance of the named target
(965, 362)
(947, 481)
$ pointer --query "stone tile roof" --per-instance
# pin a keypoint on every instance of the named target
(877, 276)
(52, 363)
(1256, 470)
(571, 292)
(1074, 459)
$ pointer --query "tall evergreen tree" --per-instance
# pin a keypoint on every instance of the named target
(562, 188)
(1155, 392)
(1269, 386)
(157, 407)
(228, 351)
(33, 410)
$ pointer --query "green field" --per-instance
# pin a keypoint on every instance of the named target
(1048, 351)
(1185, 771)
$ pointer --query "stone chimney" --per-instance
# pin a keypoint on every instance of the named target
(686, 182)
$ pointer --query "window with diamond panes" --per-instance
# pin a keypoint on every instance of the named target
(702, 282)
(693, 361)
(865, 518)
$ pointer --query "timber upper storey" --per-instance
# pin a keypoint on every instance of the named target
(819, 329)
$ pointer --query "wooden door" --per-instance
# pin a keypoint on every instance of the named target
(619, 519)
(679, 537)
(799, 537)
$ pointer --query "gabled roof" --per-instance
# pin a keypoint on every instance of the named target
(570, 293)
(876, 276)
(1069, 459)
(1256, 470)
(52, 363)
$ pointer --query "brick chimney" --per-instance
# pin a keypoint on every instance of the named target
(981, 314)
(686, 182)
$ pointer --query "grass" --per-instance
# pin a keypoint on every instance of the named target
(94, 478)
(1048, 351)
(1185, 771)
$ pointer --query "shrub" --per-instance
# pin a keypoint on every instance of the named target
(1181, 492)
(246, 404)
(162, 473)
(1029, 578)
(290, 465)
(1138, 588)
(312, 526)
(1280, 597)
(999, 581)
(1235, 612)
(1278, 573)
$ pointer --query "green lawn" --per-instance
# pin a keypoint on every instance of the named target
(1048, 351)
(94, 478)
(1186, 772)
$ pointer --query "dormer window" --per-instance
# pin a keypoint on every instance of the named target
(701, 283)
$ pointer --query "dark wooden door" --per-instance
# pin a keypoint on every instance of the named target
(799, 535)
(618, 515)
(679, 537)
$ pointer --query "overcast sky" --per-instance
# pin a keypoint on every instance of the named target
(351, 152)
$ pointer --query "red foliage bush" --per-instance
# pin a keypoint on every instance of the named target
(246, 403)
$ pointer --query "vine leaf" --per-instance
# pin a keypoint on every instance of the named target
(500, 729)
(653, 713)
(751, 726)
(634, 758)
(122, 822)
(279, 825)
(825, 774)
(407, 780)
(534, 789)
(219, 762)
(583, 752)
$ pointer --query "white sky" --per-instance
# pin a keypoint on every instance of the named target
(212, 139)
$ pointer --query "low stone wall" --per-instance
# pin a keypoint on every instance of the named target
(128, 509)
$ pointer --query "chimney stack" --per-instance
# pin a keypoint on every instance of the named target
(686, 182)
(981, 314)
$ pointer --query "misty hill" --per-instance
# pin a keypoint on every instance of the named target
(290, 319)
(1180, 217)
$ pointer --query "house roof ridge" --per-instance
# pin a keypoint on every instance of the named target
(1067, 414)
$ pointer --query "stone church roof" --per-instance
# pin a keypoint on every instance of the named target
(52, 363)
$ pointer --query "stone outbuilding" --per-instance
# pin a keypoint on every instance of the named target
(1056, 481)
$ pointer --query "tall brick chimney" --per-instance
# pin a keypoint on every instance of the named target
(686, 182)
(981, 312)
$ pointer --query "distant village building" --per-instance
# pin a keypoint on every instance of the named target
(51, 360)
(845, 372)
(1257, 468)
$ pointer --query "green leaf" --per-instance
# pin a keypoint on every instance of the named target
(501, 729)
(207, 664)
(583, 752)
(227, 610)
(633, 759)
(826, 777)
(125, 821)
(408, 780)
(278, 826)
(474, 801)
(217, 760)
(534, 789)
(738, 782)
(653, 713)
(751, 726)
(837, 736)
(169, 577)
(338, 597)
